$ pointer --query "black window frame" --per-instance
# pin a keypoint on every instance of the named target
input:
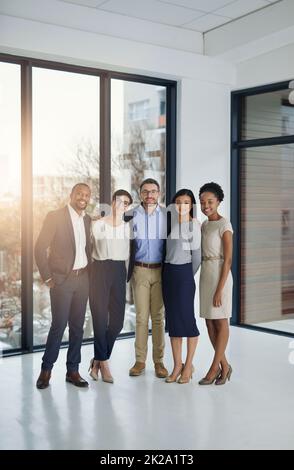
(237, 145)
(105, 76)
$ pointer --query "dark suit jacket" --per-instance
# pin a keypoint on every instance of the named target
(55, 248)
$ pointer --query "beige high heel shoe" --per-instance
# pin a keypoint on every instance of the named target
(106, 375)
(222, 381)
(206, 381)
(170, 379)
(182, 380)
(93, 371)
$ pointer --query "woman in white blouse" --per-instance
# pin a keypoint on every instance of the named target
(111, 242)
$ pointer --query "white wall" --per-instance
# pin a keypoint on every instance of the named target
(274, 66)
(204, 129)
(204, 85)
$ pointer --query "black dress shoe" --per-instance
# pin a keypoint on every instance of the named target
(43, 379)
(75, 379)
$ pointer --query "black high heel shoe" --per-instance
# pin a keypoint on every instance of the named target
(206, 381)
(222, 381)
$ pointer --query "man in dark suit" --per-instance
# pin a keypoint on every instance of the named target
(63, 256)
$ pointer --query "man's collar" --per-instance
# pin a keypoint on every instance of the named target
(74, 212)
(141, 208)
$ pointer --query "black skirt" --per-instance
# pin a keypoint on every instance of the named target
(178, 296)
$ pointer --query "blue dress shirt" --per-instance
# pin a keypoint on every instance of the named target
(149, 232)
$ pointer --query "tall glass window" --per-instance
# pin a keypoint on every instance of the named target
(265, 216)
(267, 115)
(138, 147)
(55, 131)
(267, 262)
(65, 152)
(10, 207)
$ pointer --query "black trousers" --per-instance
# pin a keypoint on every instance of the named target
(68, 306)
(107, 303)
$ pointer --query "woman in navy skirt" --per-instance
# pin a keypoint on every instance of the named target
(183, 258)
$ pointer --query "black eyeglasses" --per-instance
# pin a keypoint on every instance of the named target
(153, 192)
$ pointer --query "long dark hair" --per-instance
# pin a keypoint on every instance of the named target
(186, 192)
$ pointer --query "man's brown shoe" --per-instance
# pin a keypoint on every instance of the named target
(43, 379)
(75, 379)
(160, 371)
(137, 369)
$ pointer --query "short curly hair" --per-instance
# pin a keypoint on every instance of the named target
(213, 188)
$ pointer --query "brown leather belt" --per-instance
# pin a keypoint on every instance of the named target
(78, 272)
(148, 265)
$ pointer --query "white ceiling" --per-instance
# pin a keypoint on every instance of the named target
(196, 15)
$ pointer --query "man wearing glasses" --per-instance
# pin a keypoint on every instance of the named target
(146, 257)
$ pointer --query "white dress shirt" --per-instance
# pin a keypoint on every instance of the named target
(110, 242)
(81, 259)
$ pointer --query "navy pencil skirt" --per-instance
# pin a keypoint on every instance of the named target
(178, 288)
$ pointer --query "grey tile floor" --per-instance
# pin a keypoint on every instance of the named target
(254, 411)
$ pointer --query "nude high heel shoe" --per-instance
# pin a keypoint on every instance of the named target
(93, 371)
(182, 380)
(106, 375)
(222, 381)
(170, 379)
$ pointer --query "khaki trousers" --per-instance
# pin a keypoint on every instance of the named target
(147, 292)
